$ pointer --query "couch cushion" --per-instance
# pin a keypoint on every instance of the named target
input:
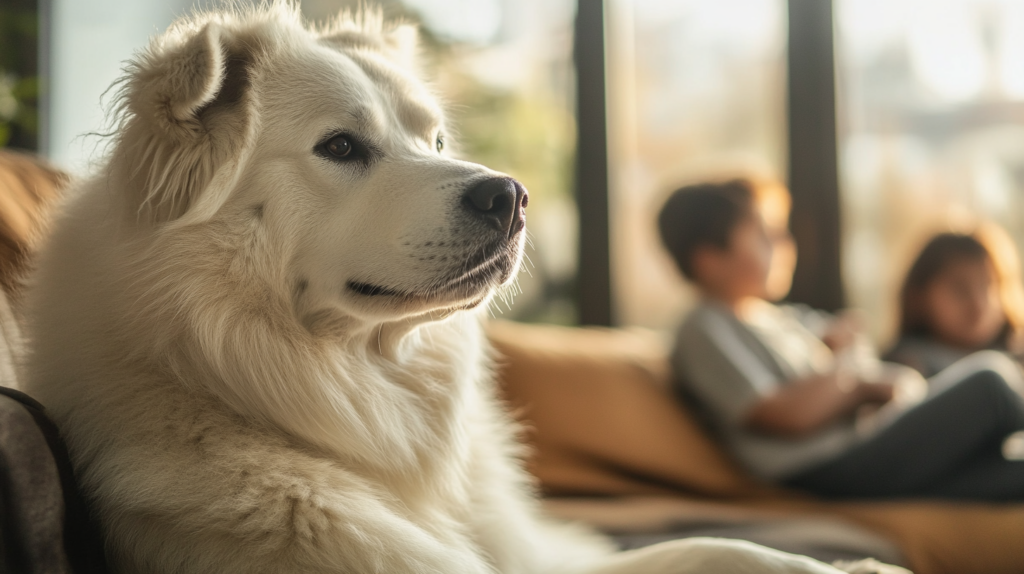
(29, 188)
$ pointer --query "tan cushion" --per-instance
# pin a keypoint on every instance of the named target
(29, 189)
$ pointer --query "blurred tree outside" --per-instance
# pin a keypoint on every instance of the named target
(19, 74)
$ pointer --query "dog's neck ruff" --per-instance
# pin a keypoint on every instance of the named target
(396, 388)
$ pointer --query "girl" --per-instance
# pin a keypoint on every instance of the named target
(962, 295)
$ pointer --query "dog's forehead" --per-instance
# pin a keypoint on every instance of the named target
(360, 86)
(417, 108)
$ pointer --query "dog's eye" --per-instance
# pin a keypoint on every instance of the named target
(440, 143)
(345, 148)
(339, 147)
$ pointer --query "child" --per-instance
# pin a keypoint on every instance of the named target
(787, 404)
(960, 296)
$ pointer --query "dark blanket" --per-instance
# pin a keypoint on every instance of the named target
(44, 524)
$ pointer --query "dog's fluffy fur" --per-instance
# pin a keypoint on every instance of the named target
(263, 356)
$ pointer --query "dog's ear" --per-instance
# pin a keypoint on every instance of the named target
(191, 124)
(172, 83)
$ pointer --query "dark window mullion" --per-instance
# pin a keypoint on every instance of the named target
(594, 276)
(813, 159)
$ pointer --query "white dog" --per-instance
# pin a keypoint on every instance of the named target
(254, 323)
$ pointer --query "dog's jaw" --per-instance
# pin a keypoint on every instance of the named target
(464, 287)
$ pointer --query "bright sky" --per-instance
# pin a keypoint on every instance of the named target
(473, 21)
(946, 40)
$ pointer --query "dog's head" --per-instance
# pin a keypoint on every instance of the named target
(325, 150)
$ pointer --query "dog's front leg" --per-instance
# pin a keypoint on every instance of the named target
(707, 556)
(318, 533)
(242, 502)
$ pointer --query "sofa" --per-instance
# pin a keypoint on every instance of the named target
(610, 445)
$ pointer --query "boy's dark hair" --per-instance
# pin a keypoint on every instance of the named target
(703, 215)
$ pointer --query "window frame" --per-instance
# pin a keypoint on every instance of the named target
(813, 175)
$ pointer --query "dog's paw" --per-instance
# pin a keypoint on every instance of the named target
(869, 566)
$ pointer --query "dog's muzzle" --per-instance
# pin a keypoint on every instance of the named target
(500, 202)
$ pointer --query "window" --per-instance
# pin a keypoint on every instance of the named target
(931, 103)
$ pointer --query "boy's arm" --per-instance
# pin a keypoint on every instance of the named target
(734, 384)
(806, 405)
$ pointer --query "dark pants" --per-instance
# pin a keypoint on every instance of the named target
(948, 446)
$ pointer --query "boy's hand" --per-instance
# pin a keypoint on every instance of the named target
(844, 331)
(876, 393)
(806, 405)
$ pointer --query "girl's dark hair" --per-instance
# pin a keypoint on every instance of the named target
(945, 249)
(703, 215)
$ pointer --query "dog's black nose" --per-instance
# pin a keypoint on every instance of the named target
(501, 202)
